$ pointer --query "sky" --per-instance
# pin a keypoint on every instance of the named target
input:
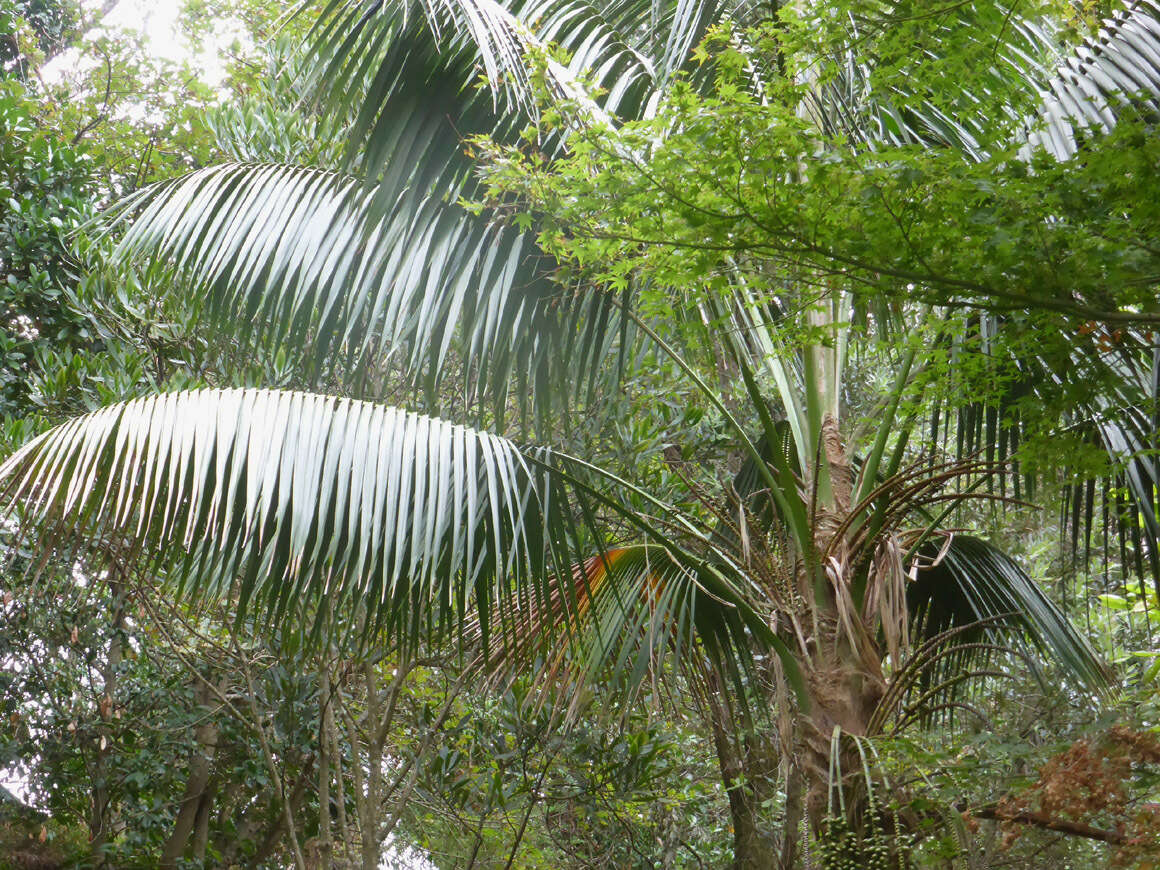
(157, 20)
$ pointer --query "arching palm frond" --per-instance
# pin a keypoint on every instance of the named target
(380, 261)
(295, 505)
(367, 54)
(624, 50)
(291, 499)
(1121, 420)
(1109, 381)
(1058, 96)
(972, 585)
(1084, 92)
(1011, 55)
(641, 611)
(1113, 74)
(292, 256)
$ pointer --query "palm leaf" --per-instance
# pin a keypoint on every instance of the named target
(290, 499)
(1113, 74)
(1110, 75)
(632, 610)
(850, 101)
(372, 56)
(622, 50)
(310, 259)
(968, 582)
(1110, 380)
(380, 263)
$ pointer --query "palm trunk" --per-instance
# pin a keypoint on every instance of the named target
(844, 690)
(844, 668)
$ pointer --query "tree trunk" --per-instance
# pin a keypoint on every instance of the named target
(201, 823)
(845, 687)
(292, 803)
(100, 821)
(794, 806)
(370, 808)
(844, 669)
(194, 804)
(325, 838)
(749, 765)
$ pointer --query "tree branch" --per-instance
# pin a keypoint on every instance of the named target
(1044, 821)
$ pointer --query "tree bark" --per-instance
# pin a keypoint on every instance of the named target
(281, 826)
(794, 808)
(748, 764)
(201, 823)
(193, 803)
(325, 839)
(99, 819)
(845, 688)
(370, 807)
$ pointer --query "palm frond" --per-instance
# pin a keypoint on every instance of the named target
(636, 612)
(968, 582)
(622, 51)
(849, 100)
(373, 57)
(1109, 379)
(289, 499)
(381, 262)
(1110, 75)
(307, 258)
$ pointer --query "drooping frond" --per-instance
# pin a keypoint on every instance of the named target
(633, 610)
(1007, 49)
(289, 500)
(376, 58)
(1110, 379)
(1113, 74)
(1120, 508)
(307, 258)
(623, 51)
(382, 262)
(1058, 95)
(968, 582)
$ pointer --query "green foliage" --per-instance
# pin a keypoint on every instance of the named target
(1140, 602)
(275, 117)
(779, 198)
(684, 246)
(75, 337)
(636, 796)
(31, 29)
(80, 725)
(45, 194)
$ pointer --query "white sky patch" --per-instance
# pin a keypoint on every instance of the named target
(15, 784)
(157, 21)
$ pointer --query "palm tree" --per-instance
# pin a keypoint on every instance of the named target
(835, 564)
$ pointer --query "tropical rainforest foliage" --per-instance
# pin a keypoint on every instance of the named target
(552, 433)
